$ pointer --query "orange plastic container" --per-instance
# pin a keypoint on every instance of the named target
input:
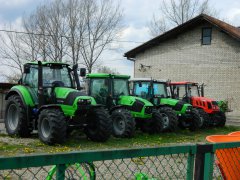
(236, 133)
(228, 159)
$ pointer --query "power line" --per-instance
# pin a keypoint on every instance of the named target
(49, 35)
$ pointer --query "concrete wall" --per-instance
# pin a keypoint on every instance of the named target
(184, 58)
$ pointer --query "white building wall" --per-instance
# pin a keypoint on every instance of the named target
(183, 58)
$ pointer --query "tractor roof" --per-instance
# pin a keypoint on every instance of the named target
(48, 63)
(105, 75)
(148, 79)
(182, 83)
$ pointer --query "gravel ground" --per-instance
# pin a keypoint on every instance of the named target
(2, 128)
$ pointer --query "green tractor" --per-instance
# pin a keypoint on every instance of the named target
(48, 100)
(127, 112)
(156, 91)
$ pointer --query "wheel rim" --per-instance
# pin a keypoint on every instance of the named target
(119, 125)
(45, 128)
(12, 117)
(165, 120)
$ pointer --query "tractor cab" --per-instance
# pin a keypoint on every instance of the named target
(193, 93)
(107, 88)
(43, 80)
(150, 89)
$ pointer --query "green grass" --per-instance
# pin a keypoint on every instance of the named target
(79, 142)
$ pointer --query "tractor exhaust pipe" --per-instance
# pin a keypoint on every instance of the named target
(75, 68)
(40, 85)
(202, 90)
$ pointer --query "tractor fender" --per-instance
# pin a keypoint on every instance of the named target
(116, 107)
(49, 106)
(23, 93)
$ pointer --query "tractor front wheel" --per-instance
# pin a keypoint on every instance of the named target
(123, 123)
(197, 120)
(153, 125)
(220, 119)
(170, 119)
(99, 125)
(52, 126)
(16, 117)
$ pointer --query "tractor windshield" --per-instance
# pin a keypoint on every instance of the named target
(142, 89)
(179, 91)
(99, 89)
(159, 89)
(120, 87)
(58, 74)
(193, 90)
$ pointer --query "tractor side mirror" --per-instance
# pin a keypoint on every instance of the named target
(82, 72)
(26, 69)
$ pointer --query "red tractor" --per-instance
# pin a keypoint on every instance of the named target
(193, 93)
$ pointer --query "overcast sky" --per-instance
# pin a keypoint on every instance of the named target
(137, 13)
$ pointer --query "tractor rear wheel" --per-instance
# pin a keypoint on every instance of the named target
(170, 119)
(197, 120)
(15, 117)
(99, 125)
(153, 125)
(123, 123)
(220, 119)
(52, 126)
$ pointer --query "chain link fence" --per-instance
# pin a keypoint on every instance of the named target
(175, 162)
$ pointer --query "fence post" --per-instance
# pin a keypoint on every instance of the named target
(208, 165)
(60, 175)
(190, 165)
(204, 162)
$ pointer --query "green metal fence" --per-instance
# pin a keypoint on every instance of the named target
(174, 162)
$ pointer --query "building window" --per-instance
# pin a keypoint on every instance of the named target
(206, 36)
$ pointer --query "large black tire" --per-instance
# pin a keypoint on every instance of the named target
(123, 123)
(153, 125)
(197, 120)
(99, 126)
(170, 119)
(16, 117)
(206, 118)
(52, 126)
(220, 119)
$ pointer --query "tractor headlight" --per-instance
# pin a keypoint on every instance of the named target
(189, 109)
(84, 101)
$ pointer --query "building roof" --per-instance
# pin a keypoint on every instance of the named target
(225, 27)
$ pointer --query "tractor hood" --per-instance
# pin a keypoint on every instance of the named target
(168, 101)
(203, 99)
(129, 100)
(69, 96)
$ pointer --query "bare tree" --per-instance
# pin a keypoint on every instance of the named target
(75, 31)
(108, 70)
(11, 51)
(103, 24)
(176, 12)
(76, 22)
